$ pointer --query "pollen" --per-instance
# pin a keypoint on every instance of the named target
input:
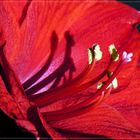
(94, 53)
(99, 85)
(115, 83)
(97, 52)
(113, 52)
(83, 82)
(90, 55)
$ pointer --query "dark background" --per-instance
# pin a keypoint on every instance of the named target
(133, 3)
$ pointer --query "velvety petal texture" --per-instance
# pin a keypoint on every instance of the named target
(82, 28)
(49, 39)
(127, 102)
(82, 22)
(102, 121)
(117, 117)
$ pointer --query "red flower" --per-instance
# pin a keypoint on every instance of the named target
(46, 45)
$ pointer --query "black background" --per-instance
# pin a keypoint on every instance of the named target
(133, 3)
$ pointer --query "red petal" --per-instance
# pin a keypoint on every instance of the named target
(81, 20)
(127, 101)
(100, 122)
(87, 28)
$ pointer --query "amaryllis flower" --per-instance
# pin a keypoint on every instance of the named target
(70, 69)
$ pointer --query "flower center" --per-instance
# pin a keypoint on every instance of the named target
(81, 83)
(78, 84)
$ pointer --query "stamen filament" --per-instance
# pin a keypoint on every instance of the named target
(76, 110)
(88, 104)
(48, 97)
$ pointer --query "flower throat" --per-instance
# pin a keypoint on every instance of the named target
(78, 84)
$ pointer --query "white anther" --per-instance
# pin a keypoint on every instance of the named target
(115, 83)
(99, 86)
(111, 47)
(113, 52)
(90, 56)
(97, 52)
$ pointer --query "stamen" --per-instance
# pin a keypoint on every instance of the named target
(94, 53)
(76, 110)
(99, 86)
(58, 93)
(90, 56)
(115, 83)
(109, 74)
(113, 52)
(81, 106)
(97, 52)
(88, 104)
(108, 92)
(48, 97)
(45, 99)
(79, 84)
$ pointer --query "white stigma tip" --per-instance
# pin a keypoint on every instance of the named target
(127, 57)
